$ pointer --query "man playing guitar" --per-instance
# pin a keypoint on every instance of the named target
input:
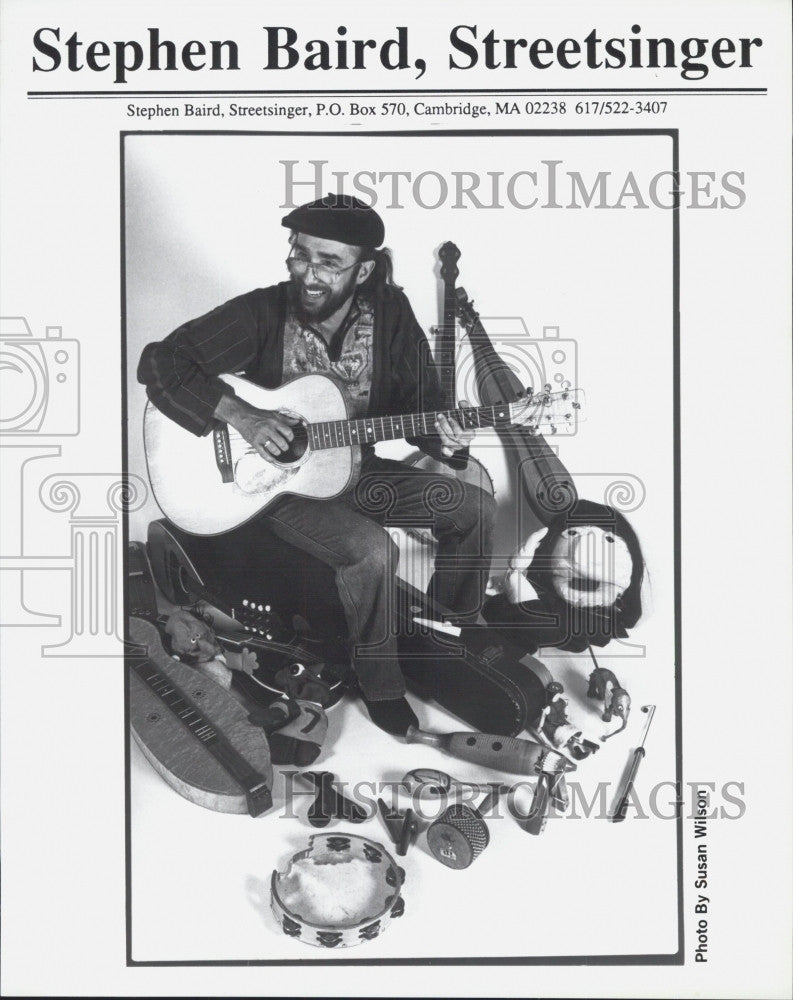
(339, 314)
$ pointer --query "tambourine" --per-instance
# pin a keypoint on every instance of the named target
(340, 891)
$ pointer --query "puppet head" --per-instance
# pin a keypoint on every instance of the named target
(191, 639)
(300, 681)
(591, 559)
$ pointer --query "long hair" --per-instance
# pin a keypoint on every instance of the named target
(383, 273)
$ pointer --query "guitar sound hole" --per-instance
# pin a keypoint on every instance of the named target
(297, 446)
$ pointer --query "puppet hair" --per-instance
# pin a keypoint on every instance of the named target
(629, 605)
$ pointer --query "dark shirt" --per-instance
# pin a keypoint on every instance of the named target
(246, 336)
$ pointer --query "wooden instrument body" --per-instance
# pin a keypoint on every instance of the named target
(546, 484)
(177, 755)
(188, 485)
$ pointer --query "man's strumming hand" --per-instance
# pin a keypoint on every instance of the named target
(268, 431)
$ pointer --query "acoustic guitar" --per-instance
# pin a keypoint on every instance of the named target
(209, 485)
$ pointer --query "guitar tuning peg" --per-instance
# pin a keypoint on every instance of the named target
(547, 387)
(553, 429)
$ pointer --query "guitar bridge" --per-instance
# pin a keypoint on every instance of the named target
(220, 437)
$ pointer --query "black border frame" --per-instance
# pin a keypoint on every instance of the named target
(676, 958)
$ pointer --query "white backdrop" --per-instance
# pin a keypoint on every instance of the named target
(203, 224)
(202, 218)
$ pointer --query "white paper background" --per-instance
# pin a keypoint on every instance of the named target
(62, 733)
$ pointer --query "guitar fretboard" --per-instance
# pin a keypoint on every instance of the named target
(370, 430)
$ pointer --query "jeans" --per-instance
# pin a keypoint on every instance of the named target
(347, 534)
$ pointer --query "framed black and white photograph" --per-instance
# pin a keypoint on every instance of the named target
(599, 328)
(395, 532)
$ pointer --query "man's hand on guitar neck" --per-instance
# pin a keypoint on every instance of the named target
(453, 436)
(268, 431)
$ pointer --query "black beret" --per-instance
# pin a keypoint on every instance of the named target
(338, 217)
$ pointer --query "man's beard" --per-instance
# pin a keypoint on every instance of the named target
(317, 309)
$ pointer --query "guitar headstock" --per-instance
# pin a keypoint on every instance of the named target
(466, 313)
(548, 412)
(449, 255)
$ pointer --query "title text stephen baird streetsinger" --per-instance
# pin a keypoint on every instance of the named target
(283, 49)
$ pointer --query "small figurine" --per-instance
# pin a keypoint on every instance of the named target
(554, 713)
(192, 641)
(604, 686)
(300, 681)
(553, 726)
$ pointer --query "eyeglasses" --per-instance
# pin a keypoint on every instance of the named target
(299, 264)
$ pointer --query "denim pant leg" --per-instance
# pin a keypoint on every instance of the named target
(364, 559)
(461, 517)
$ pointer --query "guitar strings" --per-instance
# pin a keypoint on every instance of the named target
(533, 403)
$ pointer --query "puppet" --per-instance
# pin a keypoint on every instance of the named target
(574, 583)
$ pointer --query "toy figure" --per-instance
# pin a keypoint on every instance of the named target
(300, 681)
(192, 641)
(295, 730)
(604, 686)
(554, 714)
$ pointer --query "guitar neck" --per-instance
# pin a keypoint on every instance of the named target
(446, 344)
(370, 430)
